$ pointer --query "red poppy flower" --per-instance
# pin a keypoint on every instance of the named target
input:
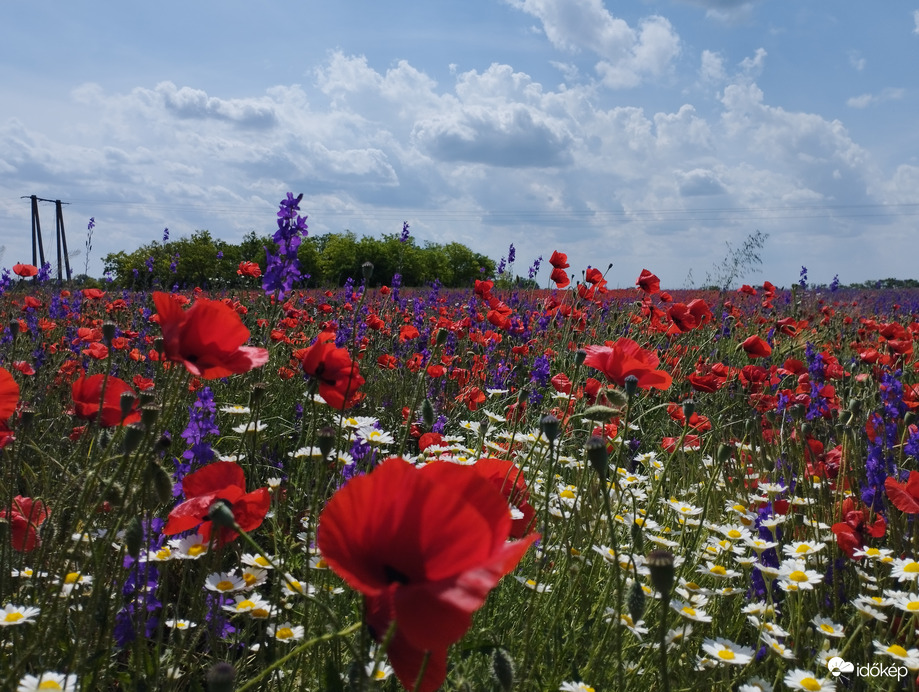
(559, 262)
(222, 480)
(25, 270)
(25, 516)
(208, 338)
(508, 478)
(904, 496)
(756, 347)
(625, 357)
(338, 376)
(93, 293)
(87, 395)
(9, 394)
(648, 282)
(424, 546)
(249, 269)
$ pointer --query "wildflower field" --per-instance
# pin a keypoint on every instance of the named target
(379, 488)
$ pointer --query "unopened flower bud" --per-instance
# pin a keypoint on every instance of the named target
(502, 665)
(149, 414)
(549, 425)
(221, 514)
(367, 270)
(133, 435)
(631, 385)
(689, 408)
(257, 393)
(598, 456)
(127, 402)
(580, 356)
(134, 536)
(427, 413)
(636, 601)
(325, 440)
(660, 565)
(108, 332)
(441, 338)
(221, 677)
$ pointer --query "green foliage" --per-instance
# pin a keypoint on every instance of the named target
(325, 260)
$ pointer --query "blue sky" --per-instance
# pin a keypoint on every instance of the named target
(642, 134)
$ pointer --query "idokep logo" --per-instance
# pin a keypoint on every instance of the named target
(839, 666)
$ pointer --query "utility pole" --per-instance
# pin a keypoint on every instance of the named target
(38, 248)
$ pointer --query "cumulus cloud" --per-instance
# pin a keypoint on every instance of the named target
(729, 11)
(627, 55)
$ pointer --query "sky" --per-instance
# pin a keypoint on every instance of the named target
(640, 134)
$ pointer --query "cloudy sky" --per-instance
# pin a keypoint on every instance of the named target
(642, 134)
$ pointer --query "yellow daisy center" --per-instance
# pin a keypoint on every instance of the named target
(163, 553)
(261, 561)
(197, 549)
(321, 564)
(71, 578)
(243, 605)
(827, 629)
(912, 605)
(797, 575)
(718, 569)
(249, 578)
(810, 684)
(294, 585)
(13, 617)
(872, 552)
(284, 633)
(49, 685)
(897, 650)
(689, 611)
(912, 567)
(225, 585)
(726, 654)
(379, 675)
(259, 613)
(734, 533)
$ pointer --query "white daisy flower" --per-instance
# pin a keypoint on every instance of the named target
(286, 632)
(725, 651)
(17, 615)
(798, 679)
(48, 681)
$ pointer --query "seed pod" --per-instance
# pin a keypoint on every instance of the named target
(636, 601)
(134, 536)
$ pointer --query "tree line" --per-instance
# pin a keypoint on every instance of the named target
(325, 261)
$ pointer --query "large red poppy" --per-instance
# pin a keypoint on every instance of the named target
(222, 480)
(207, 339)
(648, 282)
(25, 516)
(25, 270)
(507, 478)
(625, 357)
(9, 394)
(87, 400)
(338, 376)
(756, 347)
(424, 546)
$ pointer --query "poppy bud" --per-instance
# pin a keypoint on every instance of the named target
(163, 443)
(27, 415)
(856, 406)
(149, 414)
(441, 337)
(427, 413)
(660, 565)
(325, 440)
(134, 536)
(689, 408)
(631, 385)
(221, 514)
(724, 453)
(221, 677)
(108, 332)
(549, 426)
(502, 666)
(257, 393)
(159, 344)
(161, 481)
(367, 270)
(636, 601)
(147, 398)
(126, 402)
(580, 356)
(597, 456)
(638, 540)
(133, 435)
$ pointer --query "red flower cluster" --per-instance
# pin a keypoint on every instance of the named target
(88, 402)
(338, 376)
(25, 515)
(222, 480)
(249, 269)
(625, 357)
(559, 262)
(424, 546)
(207, 339)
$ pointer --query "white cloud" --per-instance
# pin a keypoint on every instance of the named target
(865, 100)
(712, 68)
(627, 55)
(729, 11)
(856, 60)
